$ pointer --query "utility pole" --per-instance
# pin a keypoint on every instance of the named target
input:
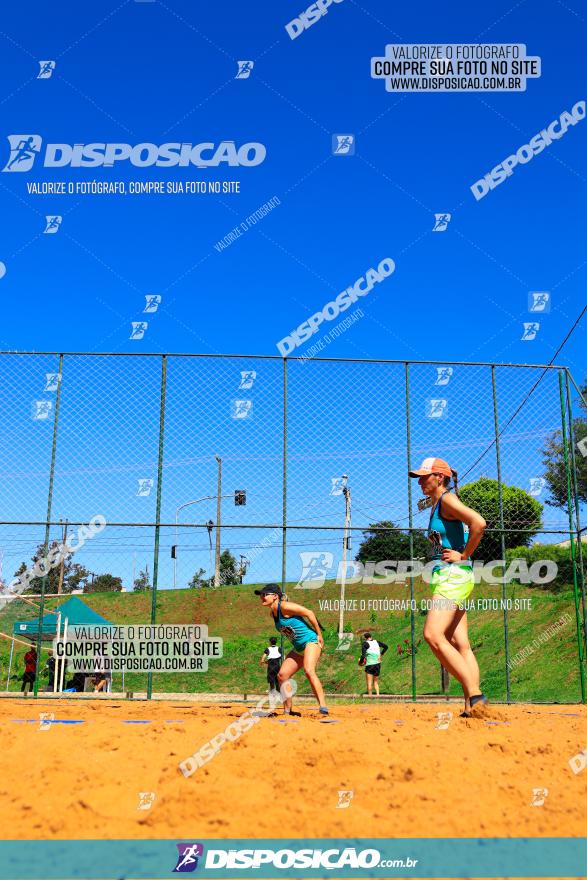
(218, 523)
(243, 567)
(210, 526)
(62, 563)
(346, 545)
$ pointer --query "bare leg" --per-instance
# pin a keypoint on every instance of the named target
(312, 654)
(369, 683)
(288, 669)
(459, 637)
(438, 622)
(376, 683)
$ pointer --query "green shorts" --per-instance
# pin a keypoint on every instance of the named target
(453, 581)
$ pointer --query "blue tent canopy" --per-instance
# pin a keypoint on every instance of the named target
(76, 611)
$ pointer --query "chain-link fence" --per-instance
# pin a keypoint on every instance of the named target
(214, 473)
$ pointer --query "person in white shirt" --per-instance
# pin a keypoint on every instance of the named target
(371, 654)
(272, 657)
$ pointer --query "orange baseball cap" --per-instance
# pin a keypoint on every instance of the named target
(432, 466)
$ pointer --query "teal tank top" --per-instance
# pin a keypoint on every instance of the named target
(445, 533)
(293, 628)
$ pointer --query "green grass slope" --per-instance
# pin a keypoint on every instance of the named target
(550, 673)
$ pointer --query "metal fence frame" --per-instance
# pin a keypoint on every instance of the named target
(575, 529)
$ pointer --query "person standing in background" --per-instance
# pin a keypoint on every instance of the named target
(30, 670)
(272, 657)
(371, 653)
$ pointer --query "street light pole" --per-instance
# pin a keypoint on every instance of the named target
(181, 506)
(210, 524)
(218, 523)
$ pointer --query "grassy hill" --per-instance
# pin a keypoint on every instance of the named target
(234, 613)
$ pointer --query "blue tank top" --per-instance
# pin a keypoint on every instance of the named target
(445, 533)
(293, 628)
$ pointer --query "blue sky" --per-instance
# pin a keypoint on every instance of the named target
(165, 71)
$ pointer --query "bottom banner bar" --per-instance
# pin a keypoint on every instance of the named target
(224, 859)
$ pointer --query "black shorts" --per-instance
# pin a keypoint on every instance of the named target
(272, 673)
(374, 669)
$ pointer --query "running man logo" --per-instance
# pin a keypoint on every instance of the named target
(52, 381)
(53, 224)
(144, 489)
(42, 410)
(539, 795)
(146, 800)
(539, 301)
(343, 145)
(441, 222)
(45, 719)
(46, 69)
(345, 641)
(244, 69)
(443, 375)
(241, 409)
(531, 328)
(436, 408)
(138, 329)
(444, 719)
(2, 269)
(537, 484)
(187, 859)
(315, 567)
(337, 485)
(24, 149)
(344, 799)
(578, 762)
(152, 302)
(247, 379)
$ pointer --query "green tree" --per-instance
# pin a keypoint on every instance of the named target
(555, 472)
(520, 512)
(75, 575)
(77, 578)
(143, 581)
(228, 568)
(198, 581)
(382, 546)
(554, 458)
(104, 583)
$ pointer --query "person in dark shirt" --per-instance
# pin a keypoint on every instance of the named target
(50, 666)
(30, 670)
(272, 657)
(77, 682)
(371, 653)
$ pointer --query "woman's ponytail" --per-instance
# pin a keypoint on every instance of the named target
(455, 480)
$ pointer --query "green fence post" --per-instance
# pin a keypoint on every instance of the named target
(284, 492)
(47, 524)
(502, 534)
(411, 525)
(577, 509)
(158, 505)
(571, 536)
(284, 483)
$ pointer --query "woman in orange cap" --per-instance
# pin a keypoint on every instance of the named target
(452, 580)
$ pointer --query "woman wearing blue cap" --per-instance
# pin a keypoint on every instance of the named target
(300, 626)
